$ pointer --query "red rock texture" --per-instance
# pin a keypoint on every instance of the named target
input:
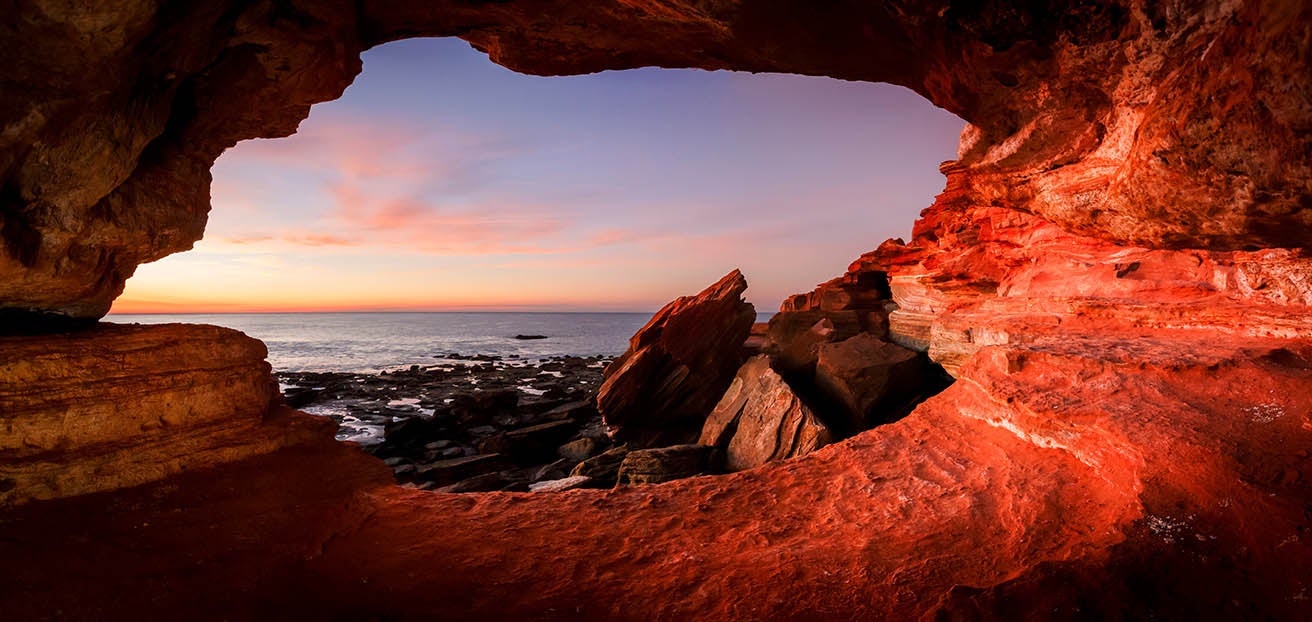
(123, 405)
(1154, 124)
(677, 366)
(1117, 274)
(1037, 486)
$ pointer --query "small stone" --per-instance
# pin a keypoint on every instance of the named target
(560, 485)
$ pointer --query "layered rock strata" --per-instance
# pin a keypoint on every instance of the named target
(1117, 274)
(760, 419)
(1138, 122)
(1039, 485)
(123, 405)
(677, 366)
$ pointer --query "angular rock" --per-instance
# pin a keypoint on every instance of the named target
(444, 472)
(664, 464)
(579, 410)
(603, 467)
(760, 420)
(486, 482)
(531, 445)
(559, 469)
(794, 336)
(581, 449)
(561, 485)
(871, 380)
(677, 366)
(482, 407)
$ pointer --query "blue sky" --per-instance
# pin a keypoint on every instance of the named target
(442, 181)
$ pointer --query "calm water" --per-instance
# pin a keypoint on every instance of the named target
(370, 342)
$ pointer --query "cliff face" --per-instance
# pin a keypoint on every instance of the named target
(1117, 273)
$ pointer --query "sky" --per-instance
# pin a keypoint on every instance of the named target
(441, 181)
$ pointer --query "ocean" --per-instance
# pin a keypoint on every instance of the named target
(372, 342)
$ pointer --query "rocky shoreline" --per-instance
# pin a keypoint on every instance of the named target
(702, 389)
(469, 423)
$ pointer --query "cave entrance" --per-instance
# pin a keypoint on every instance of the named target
(442, 188)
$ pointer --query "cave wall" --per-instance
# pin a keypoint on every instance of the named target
(1164, 124)
(1117, 272)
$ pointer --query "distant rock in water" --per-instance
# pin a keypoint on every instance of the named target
(677, 366)
(527, 337)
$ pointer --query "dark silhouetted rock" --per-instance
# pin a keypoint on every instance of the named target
(871, 380)
(445, 472)
(531, 445)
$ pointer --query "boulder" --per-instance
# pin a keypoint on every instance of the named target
(482, 407)
(581, 449)
(556, 470)
(869, 380)
(486, 482)
(445, 472)
(760, 419)
(653, 466)
(677, 366)
(793, 338)
(603, 467)
(534, 444)
(579, 410)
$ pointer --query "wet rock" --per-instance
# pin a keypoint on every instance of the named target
(445, 472)
(579, 410)
(653, 466)
(760, 419)
(561, 485)
(408, 434)
(677, 366)
(870, 380)
(297, 397)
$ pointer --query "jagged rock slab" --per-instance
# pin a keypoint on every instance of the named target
(661, 389)
(759, 419)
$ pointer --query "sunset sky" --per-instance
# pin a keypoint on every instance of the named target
(441, 181)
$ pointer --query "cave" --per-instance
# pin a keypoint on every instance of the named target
(1116, 275)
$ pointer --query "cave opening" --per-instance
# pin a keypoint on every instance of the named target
(441, 185)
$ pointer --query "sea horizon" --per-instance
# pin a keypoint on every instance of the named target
(375, 341)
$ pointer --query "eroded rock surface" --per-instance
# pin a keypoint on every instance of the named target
(1117, 273)
(123, 405)
(1140, 122)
